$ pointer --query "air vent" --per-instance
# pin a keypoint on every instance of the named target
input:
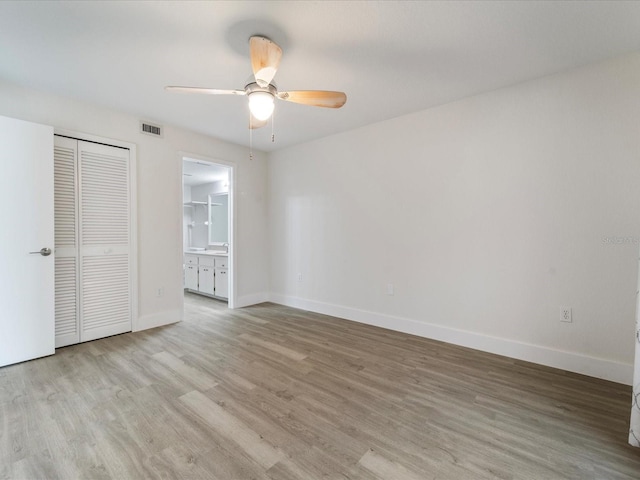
(151, 129)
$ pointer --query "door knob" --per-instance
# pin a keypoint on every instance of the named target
(45, 252)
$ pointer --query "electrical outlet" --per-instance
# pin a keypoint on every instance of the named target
(160, 292)
(299, 277)
(389, 288)
(566, 315)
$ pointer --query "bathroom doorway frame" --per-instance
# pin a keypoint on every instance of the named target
(232, 300)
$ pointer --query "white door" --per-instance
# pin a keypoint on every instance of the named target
(105, 240)
(26, 214)
(93, 240)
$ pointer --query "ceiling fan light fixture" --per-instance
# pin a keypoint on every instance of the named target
(261, 104)
(261, 90)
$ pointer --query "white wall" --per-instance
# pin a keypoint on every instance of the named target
(159, 195)
(187, 216)
(487, 215)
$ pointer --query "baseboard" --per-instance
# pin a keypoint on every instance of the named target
(572, 362)
(252, 299)
(159, 319)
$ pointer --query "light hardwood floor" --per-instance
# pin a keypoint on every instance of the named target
(270, 392)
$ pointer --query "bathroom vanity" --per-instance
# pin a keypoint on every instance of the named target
(206, 273)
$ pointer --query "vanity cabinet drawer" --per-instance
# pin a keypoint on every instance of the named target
(207, 260)
(221, 262)
(190, 260)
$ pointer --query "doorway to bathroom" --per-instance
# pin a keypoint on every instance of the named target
(207, 230)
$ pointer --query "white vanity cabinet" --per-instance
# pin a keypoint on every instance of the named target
(207, 274)
(191, 277)
(222, 277)
(206, 280)
(191, 272)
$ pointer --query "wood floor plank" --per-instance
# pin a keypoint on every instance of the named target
(201, 380)
(239, 381)
(287, 352)
(385, 468)
(232, 428)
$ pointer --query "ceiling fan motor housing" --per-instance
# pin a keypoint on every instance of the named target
(252, 87)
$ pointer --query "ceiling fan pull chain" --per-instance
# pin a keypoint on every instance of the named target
(273, 121)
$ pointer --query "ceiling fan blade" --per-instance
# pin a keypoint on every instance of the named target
(316, 98)
(265, 59)
(207, 91)
(255, 123)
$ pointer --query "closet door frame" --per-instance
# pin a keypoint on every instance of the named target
(133, 214)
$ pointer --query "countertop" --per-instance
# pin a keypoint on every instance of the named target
(207, 252)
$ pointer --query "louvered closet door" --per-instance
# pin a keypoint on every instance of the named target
(105, 279)
(66, 246)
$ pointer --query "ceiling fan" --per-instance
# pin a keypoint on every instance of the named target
(265, 59)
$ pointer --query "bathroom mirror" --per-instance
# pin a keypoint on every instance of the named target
(218, 218)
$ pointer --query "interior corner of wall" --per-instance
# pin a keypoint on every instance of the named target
(251, 299)
(153, 320)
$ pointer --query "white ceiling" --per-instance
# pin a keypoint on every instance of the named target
(391, 58)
